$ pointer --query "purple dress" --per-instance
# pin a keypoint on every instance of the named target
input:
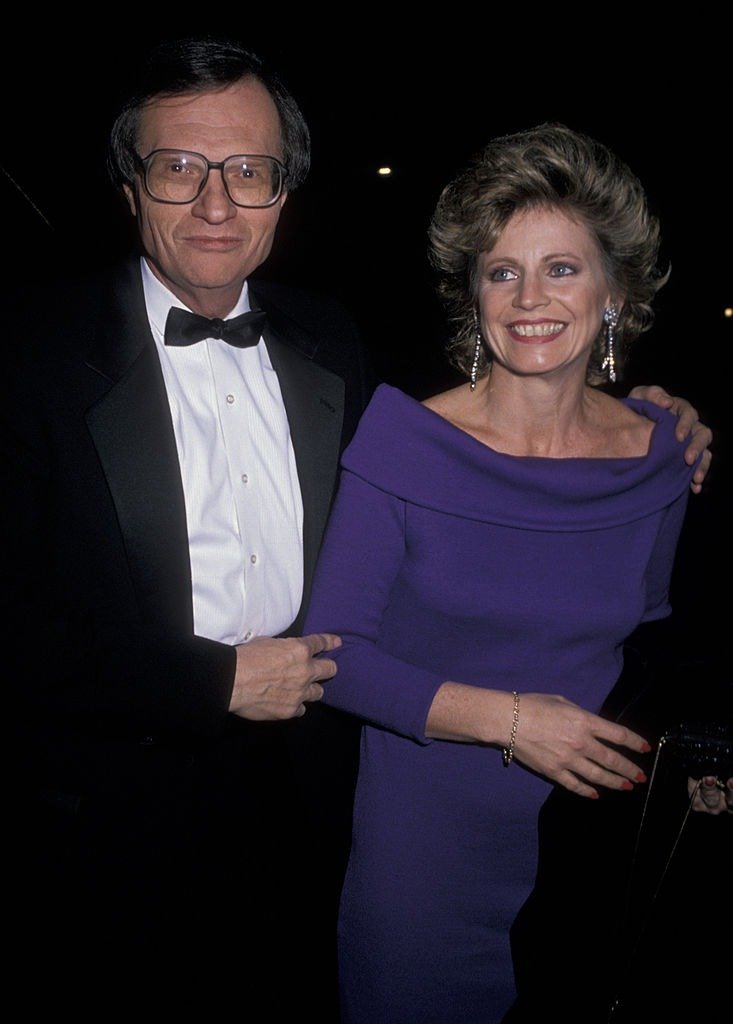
(447, 560)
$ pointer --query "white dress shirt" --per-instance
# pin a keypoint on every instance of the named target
(243, 503)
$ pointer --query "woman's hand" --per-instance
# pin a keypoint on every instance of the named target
(574, 747)
(711, 795)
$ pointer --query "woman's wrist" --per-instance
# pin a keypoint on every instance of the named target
(507, 753)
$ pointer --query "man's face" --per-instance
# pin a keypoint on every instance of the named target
(203, 250)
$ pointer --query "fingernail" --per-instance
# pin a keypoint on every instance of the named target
(646, 748)
(640, 777)
(626, 784)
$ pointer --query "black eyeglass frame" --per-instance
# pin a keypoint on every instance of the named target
(216, 165)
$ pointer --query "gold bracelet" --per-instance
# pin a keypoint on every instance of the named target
(507, 753)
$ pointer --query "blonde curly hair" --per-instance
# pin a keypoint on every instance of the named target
(546, 166)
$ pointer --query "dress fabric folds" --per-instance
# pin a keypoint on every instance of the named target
(446, 560)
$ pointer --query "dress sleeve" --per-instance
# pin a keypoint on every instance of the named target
(359, 562)
(660, 566)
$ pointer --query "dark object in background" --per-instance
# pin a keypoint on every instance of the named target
(624, 921)
(701, 749)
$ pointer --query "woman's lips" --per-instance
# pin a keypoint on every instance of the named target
(535, 333)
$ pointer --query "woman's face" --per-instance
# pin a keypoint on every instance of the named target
(542, 292)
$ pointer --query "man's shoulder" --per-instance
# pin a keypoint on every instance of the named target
(60, 319)
(73, 292)
(310, 309)
(318, 325)
(322, 329)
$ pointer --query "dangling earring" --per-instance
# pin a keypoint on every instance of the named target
(476, 352)
(610, 319)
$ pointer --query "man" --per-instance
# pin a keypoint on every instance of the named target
(165, 540)
(185, 797)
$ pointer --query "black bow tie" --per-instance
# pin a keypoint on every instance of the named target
(184, 328)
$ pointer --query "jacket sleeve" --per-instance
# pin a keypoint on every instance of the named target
(79, 651)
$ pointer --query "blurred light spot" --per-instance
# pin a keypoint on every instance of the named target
(728, 311)
(384, 172)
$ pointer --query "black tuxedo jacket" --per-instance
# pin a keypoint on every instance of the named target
(119, 704)
(95, 526)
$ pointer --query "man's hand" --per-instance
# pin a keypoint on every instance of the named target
(689, 425)
(276, 677)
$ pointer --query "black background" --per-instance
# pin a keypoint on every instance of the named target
(421, 96)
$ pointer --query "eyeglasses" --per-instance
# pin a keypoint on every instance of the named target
(177, 176)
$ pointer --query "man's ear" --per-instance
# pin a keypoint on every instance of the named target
(129, 193)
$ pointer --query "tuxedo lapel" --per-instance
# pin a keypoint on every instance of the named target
(133, 433)
(314, 402)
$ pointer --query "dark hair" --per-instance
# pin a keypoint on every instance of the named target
(554, 167)
(198, 64)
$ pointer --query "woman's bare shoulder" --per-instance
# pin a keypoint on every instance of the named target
(447, 403)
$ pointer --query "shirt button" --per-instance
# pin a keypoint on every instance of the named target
(253, 559)
(245, 478)
(230, 399)
(248, 635)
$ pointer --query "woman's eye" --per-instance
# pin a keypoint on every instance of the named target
(502, 274)
(561, 270)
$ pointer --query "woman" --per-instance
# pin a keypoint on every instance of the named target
(488, 553)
